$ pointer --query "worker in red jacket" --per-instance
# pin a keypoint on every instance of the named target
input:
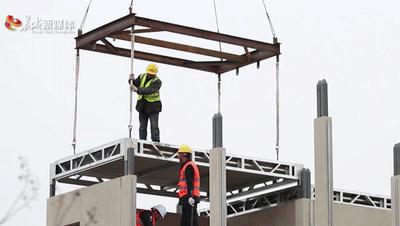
(189, 187)
(150, 217)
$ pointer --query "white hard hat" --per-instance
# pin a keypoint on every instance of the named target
(161, 209)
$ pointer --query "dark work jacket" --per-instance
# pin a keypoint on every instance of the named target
(143, 105)
(189, 174)
(146, 217)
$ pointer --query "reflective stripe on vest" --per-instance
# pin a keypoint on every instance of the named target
(150, 97)
(139, 221)
(182, 185)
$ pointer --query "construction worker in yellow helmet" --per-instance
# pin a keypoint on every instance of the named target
(189, 186)
(147, 86)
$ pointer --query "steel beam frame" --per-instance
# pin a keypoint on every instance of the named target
(223, 62)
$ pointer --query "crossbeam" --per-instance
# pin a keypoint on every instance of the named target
(151, 57)
(210, 35)
(175, 46)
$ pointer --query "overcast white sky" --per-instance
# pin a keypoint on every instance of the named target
(354, 45)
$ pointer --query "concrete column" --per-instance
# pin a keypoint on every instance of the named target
(323, 171)
(322, 98)
(217, 130)
(129, 167)
(396, 159)
(305, 186)
(395, 200)
(132, 217)
(53, 188)
(323, 159)
(395, 188)
(217, 187)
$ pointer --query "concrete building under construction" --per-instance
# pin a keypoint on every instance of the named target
(244, 191)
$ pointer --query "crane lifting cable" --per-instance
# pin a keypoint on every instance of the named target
(131, 75)
(84, 17)
(277, 145)
(131, 7)
(131, 78)
(269, 19)
(277, 106)
(220, 49)
(77, 63)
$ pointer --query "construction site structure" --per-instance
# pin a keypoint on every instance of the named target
(244, 191)
(254, 188)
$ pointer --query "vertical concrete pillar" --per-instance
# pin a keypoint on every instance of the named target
(323, 159)
(52, 182)
(396, 159)
(323, 171)
(322, 98)
(129, 157)
(305, 184)
(217, 187)
(132, 217)
(395, 188)
(128, 207)
(129, 169)
(217, 130)
(129, 161)
(53, 188)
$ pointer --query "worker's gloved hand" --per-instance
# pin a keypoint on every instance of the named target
(134, 88)
(131, 78)
(191, 201)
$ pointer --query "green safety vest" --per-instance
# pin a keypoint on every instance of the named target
(150, 97)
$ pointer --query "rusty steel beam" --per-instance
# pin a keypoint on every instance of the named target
(213, 63)
(256, 56)
(109, 45)
(176, 46)
(152, 57)
(226, 66)
(105, 30)
(199, 33)
(145, 30)
(248, 55)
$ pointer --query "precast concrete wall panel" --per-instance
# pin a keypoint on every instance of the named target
(283, 215)
(105, 204)
(352, 215)
(300, 213)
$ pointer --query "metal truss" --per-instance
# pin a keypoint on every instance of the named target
(73, 165)
(266, 198)
(107, 162)
(262, 197)
(359, 198)
(233, 162)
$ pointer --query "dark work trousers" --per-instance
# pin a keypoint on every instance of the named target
(155, 131)
(189, 214)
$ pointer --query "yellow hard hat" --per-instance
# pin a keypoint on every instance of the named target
(185, 149)
(152, 69)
